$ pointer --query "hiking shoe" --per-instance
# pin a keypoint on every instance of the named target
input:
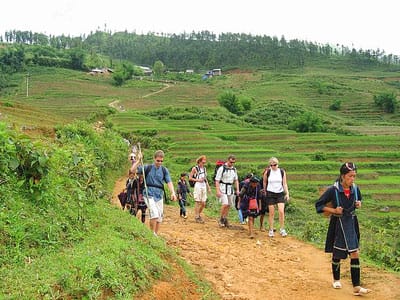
(185, 217)
(283, 232)
(271, 233)
(221, 222)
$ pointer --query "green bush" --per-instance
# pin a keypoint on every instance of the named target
(231, 102)
(308, 122)
(387, 101)
(335, 105)
(49, 190)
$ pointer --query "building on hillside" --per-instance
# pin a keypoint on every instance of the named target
(211, 73)
(97, 71)
(216, 72)
(146, 70)
(189, 71)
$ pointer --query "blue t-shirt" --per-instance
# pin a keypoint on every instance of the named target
(155, 180)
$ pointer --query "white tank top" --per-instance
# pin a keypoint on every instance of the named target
(275, 181)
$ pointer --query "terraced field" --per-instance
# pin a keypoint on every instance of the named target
(311, 160)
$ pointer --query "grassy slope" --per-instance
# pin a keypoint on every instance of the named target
(59, 96)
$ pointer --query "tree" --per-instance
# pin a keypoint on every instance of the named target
(231, 102)
(77, 59)
(158, 68)
(387, 101)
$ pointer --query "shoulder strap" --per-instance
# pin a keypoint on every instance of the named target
(337, 197)
(147, 169)
(164, 170)
(355, 192)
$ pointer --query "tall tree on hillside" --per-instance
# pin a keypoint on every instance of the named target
(158, 68)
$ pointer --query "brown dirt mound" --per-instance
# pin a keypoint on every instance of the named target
(262, 268)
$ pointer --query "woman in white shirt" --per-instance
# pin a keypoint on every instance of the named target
(277, 193)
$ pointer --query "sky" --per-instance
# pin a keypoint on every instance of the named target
(362, 24)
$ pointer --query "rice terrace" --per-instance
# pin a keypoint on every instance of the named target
(67, 239)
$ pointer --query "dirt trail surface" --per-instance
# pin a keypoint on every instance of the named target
(262, 268)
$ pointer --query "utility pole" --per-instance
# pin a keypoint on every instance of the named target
(27, 85)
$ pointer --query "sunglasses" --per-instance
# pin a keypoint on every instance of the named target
(159, 160)
(232, 161)
(273, 165)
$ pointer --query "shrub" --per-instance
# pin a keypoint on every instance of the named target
(319, 156)
(231, 102)
(387, 101)
(335, 105)
(307, 122)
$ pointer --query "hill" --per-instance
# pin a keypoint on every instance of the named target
(186, 120)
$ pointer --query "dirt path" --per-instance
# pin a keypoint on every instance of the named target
(115, 104)
(263, 268)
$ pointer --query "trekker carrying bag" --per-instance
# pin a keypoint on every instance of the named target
(196, 175)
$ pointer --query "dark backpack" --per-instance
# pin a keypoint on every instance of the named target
(218, 164)
(191, 182)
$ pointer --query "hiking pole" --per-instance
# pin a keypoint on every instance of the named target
(144, 174)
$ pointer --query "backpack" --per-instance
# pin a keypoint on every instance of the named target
(268, 170)
(218, 164)
(191, 182)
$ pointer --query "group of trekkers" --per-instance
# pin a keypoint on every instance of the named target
(252, 197)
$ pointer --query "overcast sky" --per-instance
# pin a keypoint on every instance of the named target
(362, 24)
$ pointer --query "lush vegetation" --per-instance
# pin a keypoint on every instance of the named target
(196, 50)
(61, 145)
(60, 238)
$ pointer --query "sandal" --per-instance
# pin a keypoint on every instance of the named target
(337, 285)
(359, 291)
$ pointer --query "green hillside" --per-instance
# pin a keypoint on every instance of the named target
(185, 119)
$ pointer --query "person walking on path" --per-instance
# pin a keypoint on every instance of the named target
(277, 193)
(340, 201)
(246, 180)
(155, 175)
(139, 204)
(250, 201)
(227, 187)
(198, 175)
(182, 192)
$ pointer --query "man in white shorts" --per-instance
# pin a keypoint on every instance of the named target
(227, 188)
(155, 175)
(198, 175)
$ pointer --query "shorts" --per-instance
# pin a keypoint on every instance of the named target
(200, 194)
(275, 198)
(250, 213)
(227, 199)
(156, 208)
